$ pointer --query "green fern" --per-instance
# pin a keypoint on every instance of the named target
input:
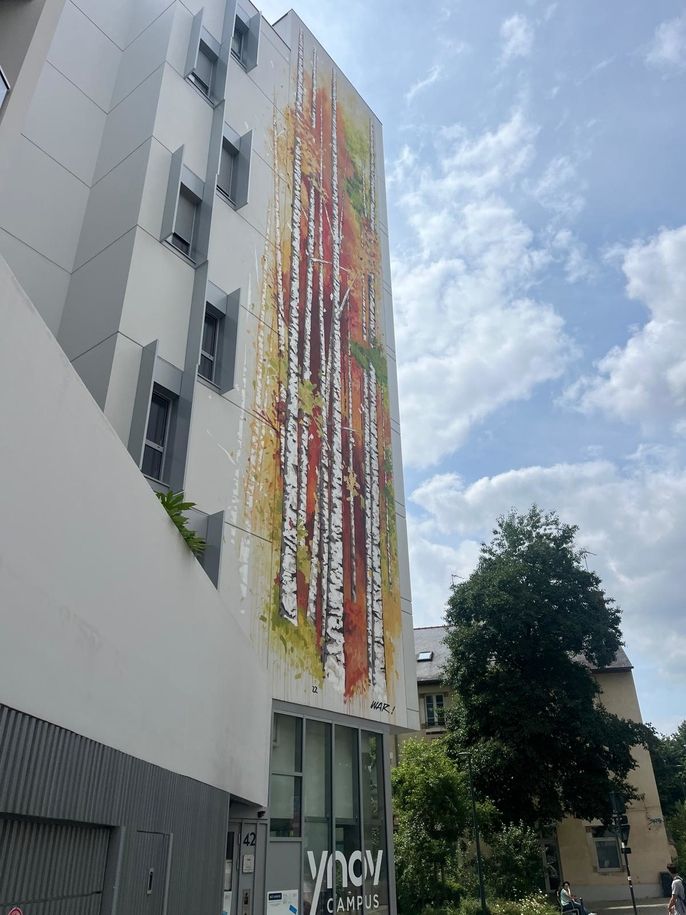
(175, 507)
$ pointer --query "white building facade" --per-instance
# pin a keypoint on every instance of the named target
(196, 297)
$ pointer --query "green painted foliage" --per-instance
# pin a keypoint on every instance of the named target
(371, 355)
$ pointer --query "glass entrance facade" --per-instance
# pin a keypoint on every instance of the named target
(327, 795)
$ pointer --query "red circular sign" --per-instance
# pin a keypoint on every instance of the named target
(15, 911)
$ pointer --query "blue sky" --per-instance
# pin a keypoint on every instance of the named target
(537, 212)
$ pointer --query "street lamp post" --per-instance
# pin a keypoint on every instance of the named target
(620, 822)
(475, 823)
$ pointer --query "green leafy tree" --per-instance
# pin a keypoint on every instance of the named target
(543, 745)
(676, 828)
(431, 806)
(668, 754)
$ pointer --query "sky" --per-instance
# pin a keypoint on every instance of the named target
(536, 185)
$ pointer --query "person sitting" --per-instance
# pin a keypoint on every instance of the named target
(570, 903)
(677, 903)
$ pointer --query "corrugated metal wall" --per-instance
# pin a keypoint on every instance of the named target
(49, 773)
(42, 863)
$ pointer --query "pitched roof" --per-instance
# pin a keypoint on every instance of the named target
(430, 639)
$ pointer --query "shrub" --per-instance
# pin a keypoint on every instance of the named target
(533, 904)
(173, 504)
(513, 869)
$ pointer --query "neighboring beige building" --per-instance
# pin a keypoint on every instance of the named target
(584, 853)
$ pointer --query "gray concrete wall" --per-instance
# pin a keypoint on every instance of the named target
(110, 627)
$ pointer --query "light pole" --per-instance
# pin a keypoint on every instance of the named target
(620, 822)
(475, 823)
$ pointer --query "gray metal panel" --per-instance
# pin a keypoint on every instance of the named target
(193, 43)
(184, 405)
(141, 403)
(144, 892)
(211, 560)
(217, 298)
(222, 66)
(172, 198)
(50, 861)
(231, 333)
(168, 376)
(52, 773)
(251, 44)
(242, 183)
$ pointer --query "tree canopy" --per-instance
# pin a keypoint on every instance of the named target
(669, 764)
(524, 632)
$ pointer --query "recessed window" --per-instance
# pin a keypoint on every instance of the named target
(228, 169)
(606, 849)
(156, 436)
(4, 87)
(204, 70)
(238, 40)
(435, 712)
(208, 348)
(425, 656)
(186, 219)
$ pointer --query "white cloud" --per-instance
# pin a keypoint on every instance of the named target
(560, 189)
(667, 51)
(432, 77)
(470, 336)
(633, 522)
(644, 381)
(434, 565)
(576, 263)
(517, 36)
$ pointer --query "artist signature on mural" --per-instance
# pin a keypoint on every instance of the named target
(379, 706)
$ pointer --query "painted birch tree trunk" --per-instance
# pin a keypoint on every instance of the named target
(280, 303)
(334, 662)
(351, 480)
(319, 569)
(303, 458)
(289, 529)
(378, 637)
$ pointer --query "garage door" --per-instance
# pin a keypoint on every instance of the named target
(51, 868)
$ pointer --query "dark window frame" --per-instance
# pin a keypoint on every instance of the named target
(161, 448)
(211, 356)
(232, 151)
(177, 239)
(241, 30)
(206, 51)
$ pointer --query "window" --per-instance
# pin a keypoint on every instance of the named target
(425, 656)
(435, 713)
(203, 72)
(286, 777)
(156, 436)
(185, 223)
(606, 849)
(226, 180)
(238, 40)
(4, 87)
(208, 347)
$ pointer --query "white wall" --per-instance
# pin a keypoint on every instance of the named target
(110, 627)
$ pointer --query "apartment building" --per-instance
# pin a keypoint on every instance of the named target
(586, 854)
(195, 296)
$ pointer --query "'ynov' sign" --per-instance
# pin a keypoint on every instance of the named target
(354, 870)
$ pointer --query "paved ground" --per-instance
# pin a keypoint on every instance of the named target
(623, 907)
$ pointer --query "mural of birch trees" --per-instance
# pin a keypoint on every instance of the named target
(335, 607)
